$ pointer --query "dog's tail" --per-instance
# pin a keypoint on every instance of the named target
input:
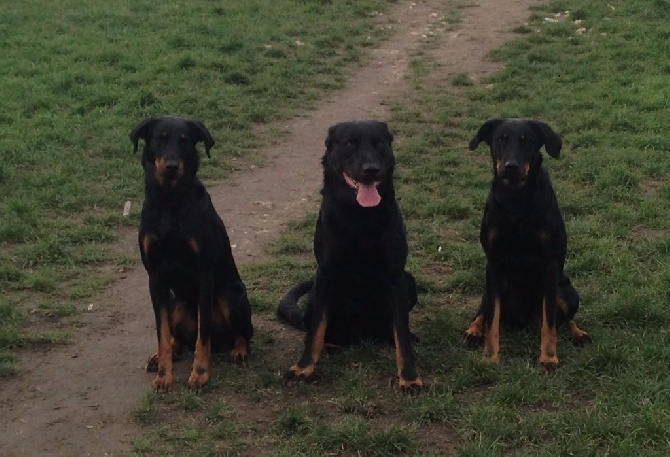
(288, 309)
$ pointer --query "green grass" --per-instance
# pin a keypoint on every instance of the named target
(77, 77)
(605, 90)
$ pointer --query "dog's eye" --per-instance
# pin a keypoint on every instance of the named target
(522, 139)
(351, 143)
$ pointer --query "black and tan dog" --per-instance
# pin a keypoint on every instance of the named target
(198, 297)
(361, 290)
(524, 238)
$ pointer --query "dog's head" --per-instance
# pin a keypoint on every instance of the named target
(359, 154)
(515, 147)
(169, 147)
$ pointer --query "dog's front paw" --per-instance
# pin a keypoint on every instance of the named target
(550, 363)
(410, 387)
(239, 359)
(198, 379)
(240, 353)
(494, 359)
(581, 339)
(473, 338)
(474, 334)
(296, 374)
(163, 382)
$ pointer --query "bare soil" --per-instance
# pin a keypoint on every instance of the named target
(78, 399)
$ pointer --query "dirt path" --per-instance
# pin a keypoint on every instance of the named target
(78, 399)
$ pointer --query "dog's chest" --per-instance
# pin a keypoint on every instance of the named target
(375, 254)
(172, 254)
(174, 248)
(524, 247)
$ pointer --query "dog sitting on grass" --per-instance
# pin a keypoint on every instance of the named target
(361, 290)
(198, 298)
(524, 238)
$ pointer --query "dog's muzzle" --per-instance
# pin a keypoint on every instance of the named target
(367, 195)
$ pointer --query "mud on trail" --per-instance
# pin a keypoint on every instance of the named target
(78, 399)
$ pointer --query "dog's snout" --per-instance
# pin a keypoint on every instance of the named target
(511, 165)
(371, 169)
(172, 165)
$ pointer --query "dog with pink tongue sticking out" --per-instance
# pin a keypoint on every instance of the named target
(366, 194)
(361, 291)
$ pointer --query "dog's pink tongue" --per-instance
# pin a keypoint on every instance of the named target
(367, 195)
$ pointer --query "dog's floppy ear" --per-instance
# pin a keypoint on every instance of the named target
(330, 139)
(142, 130)
(387, 132)
(552, 141)
(484, 133)
(200, 133)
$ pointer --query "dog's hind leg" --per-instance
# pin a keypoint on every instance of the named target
(474, 334)
(236, 312)
(568, 304)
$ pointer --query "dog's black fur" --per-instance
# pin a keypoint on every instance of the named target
(524, 238)
(361, 290)
(199, 300)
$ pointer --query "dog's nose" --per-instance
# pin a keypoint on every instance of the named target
(371, 169)
(511, 166)
(172, 166)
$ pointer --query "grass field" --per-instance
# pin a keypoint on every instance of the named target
(603, 88)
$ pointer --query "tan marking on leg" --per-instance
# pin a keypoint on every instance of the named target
(492, 337)
(318, 343)
(548, 357)
(164, 378)
(200, 372)
(404, 384)
(399, 360)
(319, 339)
